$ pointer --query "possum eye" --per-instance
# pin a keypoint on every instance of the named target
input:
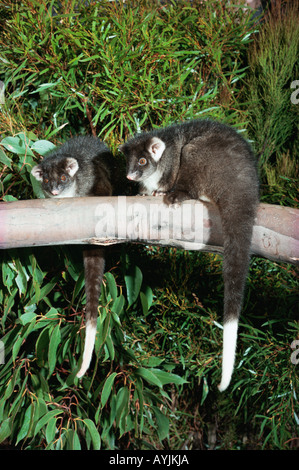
(63, 178)
(142, 161)
(46, 180)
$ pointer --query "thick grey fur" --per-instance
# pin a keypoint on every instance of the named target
(205, 158)
(93, 178)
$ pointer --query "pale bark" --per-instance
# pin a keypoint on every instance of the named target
(107, 220)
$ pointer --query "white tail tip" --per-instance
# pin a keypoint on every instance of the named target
(230, 333)
(90, 336)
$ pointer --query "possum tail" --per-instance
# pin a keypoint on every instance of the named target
(237, 223)
(94, 264)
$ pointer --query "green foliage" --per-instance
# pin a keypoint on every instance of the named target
(42, 403)
(273, 67)
(96, 67)
(109, 69)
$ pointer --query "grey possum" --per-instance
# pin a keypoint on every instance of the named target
(208, 160)
(81, 167)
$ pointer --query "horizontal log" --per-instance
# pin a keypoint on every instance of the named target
(193, 225)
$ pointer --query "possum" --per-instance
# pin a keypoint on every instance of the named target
(205, 160)
(81, 167)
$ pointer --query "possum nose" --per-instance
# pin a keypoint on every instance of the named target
(55, 192)
(132, 176)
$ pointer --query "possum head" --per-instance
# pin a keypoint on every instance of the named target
(143, 155)
(57, 178)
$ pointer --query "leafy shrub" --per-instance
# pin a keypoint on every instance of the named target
(42, 403)
(273, 118)
(95, 67)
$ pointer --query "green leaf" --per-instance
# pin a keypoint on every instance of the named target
(110, 346)
(111, 284)
(9, 198)
(78, 286)
(162, 422)
(95, 436)
(146, 300)
(11, 384)
(26, 330)
(117, 308)
(4, 159)
(16, 347)
(122, 408)
(21, 280)
(27, 318)
(26, 423)
(104, 329)
(152, 361)
(44, 291)
(44, 86)
(168, 377)
(107, 388)
(42, 346)
(133, 282)
(32, 136)
(42, 146)
(16, 145)
(22, 277)
(40, 409)
(55, 339)
(149, 376)
(45, 419)
(72, 439)
(5, 429)
(140, 394)
(51, 430)
(144, 303)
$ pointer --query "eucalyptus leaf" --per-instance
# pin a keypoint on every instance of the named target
(133, 280)
(42, 146)
(149, 376)
(168, 377)
(162, 422)
(26, 424)
(55, 339)
(111, 284)
(95, 436)
(16, 145)
(45, 419)
(51, 430)
(107, 388)
(4, 159)
(5, 429)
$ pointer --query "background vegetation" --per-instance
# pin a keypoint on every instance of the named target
(111, 69)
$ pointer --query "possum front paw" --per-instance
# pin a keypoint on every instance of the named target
(159, 193)
(175, 197)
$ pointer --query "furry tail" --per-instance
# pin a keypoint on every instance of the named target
(94, 263)
(90, 336)
(237, 223)
(230, 333)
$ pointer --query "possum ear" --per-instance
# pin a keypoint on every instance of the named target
(71, 166)
(156, 148)
(37, 172)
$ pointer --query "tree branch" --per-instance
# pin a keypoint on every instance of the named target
(193, 225)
